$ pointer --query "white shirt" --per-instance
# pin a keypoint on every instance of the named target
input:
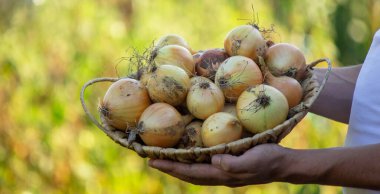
(364, 124)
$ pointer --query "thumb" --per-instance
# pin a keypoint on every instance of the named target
(227, 163)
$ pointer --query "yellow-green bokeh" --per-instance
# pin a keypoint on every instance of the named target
(50, 48)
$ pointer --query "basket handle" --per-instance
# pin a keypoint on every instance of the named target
(85, 86)
(329, 68)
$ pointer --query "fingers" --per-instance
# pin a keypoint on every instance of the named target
(229, 163)
(200, 174)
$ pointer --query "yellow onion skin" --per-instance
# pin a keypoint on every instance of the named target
(172, 39)
(161, 125)
(175, 55)
(204, 99)
(236, 74)
(199, 79)
(261, 107)
(124, 102)
(285, 59)
(245, 40)
(168, 84)
(209, 62)
(288, 86)
(192, 136)
(220, 128)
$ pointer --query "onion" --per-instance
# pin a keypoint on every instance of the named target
(261, 107)
(161, 125)
(174, 55)
(168, 83)
(204, 99)
(220, 128)
(192, 136)
(198, 79)
(236, 74)
(286, 59)
(172, 39)
(288, 86)
(124, 102)
(197, 56)
(209, 62)
(245, 40)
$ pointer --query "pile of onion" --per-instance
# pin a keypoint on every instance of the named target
(224, 95)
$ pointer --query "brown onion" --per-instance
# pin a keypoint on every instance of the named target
(174, 55)
(161, 125)
(209, 62)
(192, 136)
(220, 128)
(168, 83)
(245, 40)
(261, 107)
(204, 99)
(236, 74)
(124, 102)
(286, 59)
(288, 86)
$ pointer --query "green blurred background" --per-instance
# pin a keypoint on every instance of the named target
(50, 48)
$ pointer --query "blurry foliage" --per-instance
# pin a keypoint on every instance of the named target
(50, 48)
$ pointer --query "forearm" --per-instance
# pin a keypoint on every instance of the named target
(335, 100)
(350, 167)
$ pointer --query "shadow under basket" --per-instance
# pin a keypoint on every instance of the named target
(311, 90)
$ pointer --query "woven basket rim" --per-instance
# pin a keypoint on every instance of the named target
(202, 154)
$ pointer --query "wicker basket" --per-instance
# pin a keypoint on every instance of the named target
(311, 90)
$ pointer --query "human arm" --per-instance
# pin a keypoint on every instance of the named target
(350, 167)
(334, 101)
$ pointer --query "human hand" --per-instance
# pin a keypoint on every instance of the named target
(261, 164)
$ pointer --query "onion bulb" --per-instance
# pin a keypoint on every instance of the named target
(236, 74)
(192, 136)
(174, 55)
(172, 39)
(220, 128)
(197, 56)
(167, 83)
(288, 86)
(198, 79)
(286, 59)
(161, 125)
(204, 99)
(261, 107)
(245, 40)
(124, 102)
(209, 62)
